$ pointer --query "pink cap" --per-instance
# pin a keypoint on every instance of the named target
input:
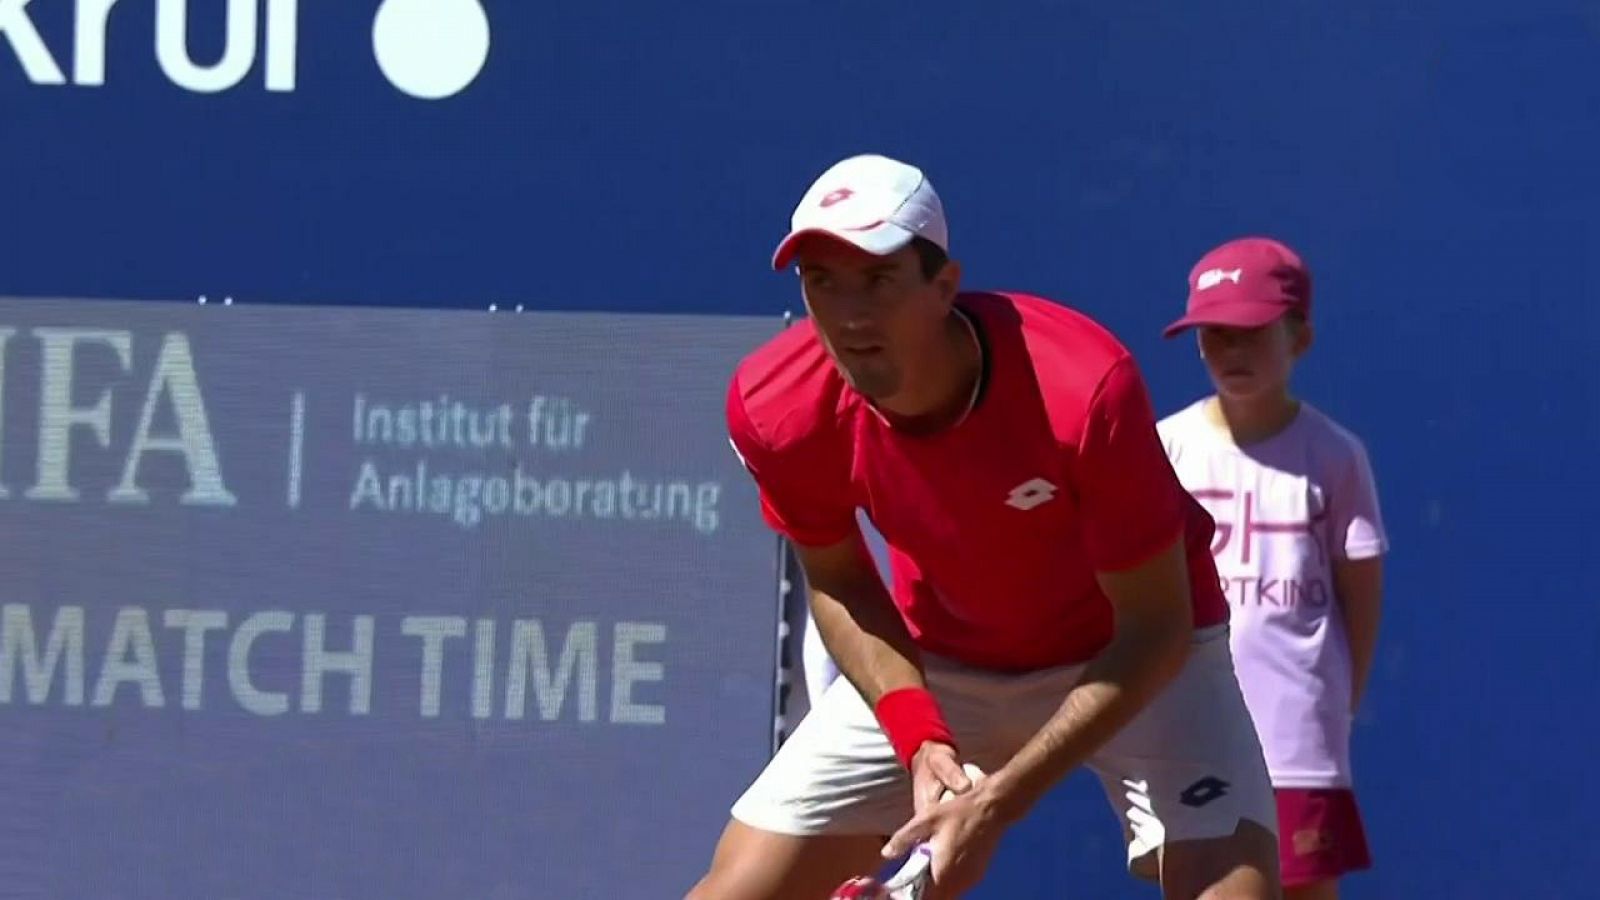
(1245, 283)
(871, 202)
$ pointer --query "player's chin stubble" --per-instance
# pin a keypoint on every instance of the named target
(873, 382)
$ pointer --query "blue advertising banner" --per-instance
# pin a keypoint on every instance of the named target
(324, 603)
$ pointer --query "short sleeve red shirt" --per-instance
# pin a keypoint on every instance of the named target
(996, 526)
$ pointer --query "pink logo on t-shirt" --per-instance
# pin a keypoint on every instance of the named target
(1245, 523)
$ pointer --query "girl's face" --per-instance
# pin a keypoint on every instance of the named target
(1246, 363)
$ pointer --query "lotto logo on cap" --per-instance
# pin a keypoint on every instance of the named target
(872, 202)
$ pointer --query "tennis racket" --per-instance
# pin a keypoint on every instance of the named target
(914, 876)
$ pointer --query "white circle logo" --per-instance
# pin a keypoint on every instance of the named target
(431, 49)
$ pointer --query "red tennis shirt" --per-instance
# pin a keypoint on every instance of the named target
(997, 525)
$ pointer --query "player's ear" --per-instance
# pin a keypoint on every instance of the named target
(948, 281)
(1303, 336)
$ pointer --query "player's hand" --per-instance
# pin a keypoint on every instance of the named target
(962, 832)
(934, 770)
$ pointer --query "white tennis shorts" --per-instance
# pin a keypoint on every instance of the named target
(1189, 767)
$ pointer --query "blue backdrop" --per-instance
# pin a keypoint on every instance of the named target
(1433, 160)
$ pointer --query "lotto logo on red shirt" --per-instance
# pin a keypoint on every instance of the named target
(1031, 493)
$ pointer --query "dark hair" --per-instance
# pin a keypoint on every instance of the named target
(930, 256)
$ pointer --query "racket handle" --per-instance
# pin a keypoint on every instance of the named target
(918, 867)
(913, 877)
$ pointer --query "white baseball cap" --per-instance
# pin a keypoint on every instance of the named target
(873, 202)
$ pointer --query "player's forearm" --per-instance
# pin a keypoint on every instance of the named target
(874, 651)
(867, 639)
(1115, 687)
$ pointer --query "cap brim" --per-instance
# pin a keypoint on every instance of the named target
(1229, 315)
(879, 239)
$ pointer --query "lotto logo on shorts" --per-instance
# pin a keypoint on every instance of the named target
(1204, 791)
(1031, 493)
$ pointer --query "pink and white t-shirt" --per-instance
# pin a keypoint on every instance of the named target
(1284, 508)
